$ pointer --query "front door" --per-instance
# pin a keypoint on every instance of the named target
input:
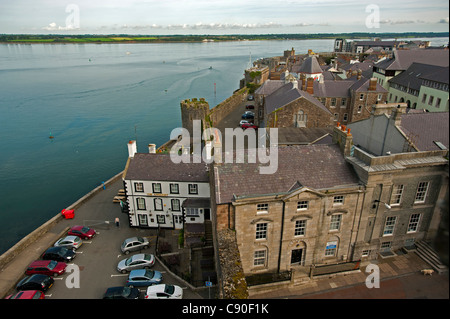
(296, 256)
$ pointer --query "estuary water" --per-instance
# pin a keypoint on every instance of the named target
(94, 98)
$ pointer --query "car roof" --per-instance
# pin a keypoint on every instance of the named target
(72, 237)
(156, 288)
(38, 263)
(138, 256)
(137, 272)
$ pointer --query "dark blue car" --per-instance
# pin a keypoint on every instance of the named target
(248, 115)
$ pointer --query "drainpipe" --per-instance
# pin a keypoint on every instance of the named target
(281, 236)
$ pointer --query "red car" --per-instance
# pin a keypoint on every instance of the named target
(249, 106)
(82, 231)
(46, 267)
(27, 294)
(249, 125)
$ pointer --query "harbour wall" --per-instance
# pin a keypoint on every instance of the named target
(11, 253)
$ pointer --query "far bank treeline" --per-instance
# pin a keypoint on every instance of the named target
(120, 38)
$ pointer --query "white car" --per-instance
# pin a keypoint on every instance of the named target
(242, 122)
(70, 242)
(164, 291)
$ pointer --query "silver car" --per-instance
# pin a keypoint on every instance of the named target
(133, 244)
(136, 262)
(71, 242)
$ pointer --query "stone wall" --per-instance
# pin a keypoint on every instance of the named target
(221, 110)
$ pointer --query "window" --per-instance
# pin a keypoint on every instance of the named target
(140, 202)
(259, 258)
(430, 100)
(156, 187)
(330, 249)
(343, 102)
(193, 189)
(438, 102)
(421, 193)
(360, 108)
(424, 98)
(261, 231)
(365, 253)
(361, 96)
(174, 189)
(143, 220)
(389, 225)
(333, 102)
(335, 223)
(338, 200)
(386, 246)
(413, 225)
(139, 187)
(379, 97)
(161, 219)
(396, 197)
(158, 203)
(345, 117)
(175, 205)
(300, 228)
(336, 116)
(262, 208)
(302, 205)
(192, 212)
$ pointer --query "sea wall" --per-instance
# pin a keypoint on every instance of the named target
(10, 254)
(220, 111)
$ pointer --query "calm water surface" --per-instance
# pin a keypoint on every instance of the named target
(94, 98)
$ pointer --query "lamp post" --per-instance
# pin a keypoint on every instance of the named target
(379, 201)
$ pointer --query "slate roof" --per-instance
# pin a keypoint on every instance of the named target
(312, 166)
(160, 167)
(333, 88)
(269, 86)
(287, 94)
(403, 59)
(310, 66)
(303, 135)
(426, 128)
(417, 72)
(362, 85)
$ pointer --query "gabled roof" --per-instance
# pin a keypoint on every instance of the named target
(313, 166)
(310, 66)
(362, 85)
(287, 94)
(403, 59)
(333, 88)
(160, 167)
(269, 86)
(417, 72)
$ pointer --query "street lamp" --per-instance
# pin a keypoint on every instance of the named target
(379, 201)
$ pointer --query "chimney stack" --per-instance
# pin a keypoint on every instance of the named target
(132, 148)
(373, 84)
(310, 85)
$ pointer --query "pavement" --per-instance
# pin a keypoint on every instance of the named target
(400, 277)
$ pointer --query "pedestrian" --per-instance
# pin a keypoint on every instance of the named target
(117, 222)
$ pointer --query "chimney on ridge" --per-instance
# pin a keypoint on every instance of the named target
(132, 148)
(373, 84)
(310, 85)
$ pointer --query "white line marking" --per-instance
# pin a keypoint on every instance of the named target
(123, 275)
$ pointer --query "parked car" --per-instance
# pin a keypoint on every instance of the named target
(249, 125)
(46, 267)
(249, 106)
(121, 293)
(27, 294)
(143, 277)
(248, 115)
(136, 262)
(73, 242)
(83, 232)
(35, 282)
(164, 291)
(133, 244)
(250, 98)
(59, 254)
(242, 122)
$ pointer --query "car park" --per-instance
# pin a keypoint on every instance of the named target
(248, 115)
(73, 242)
(27, 294)
(35, 282)
(138, 261)
(83, 232)
(133, 244)
(59, 254)
(121, 293)
(143, 278)
(46, 267)
(164, 291)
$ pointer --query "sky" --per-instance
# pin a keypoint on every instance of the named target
(221, 16)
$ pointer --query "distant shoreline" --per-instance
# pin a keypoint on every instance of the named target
(124, 38)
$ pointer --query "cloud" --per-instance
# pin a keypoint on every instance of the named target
(445, 20)
(54, 27)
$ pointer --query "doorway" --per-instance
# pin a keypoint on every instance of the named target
(296, 256)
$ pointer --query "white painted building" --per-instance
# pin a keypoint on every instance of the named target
(156, 189)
